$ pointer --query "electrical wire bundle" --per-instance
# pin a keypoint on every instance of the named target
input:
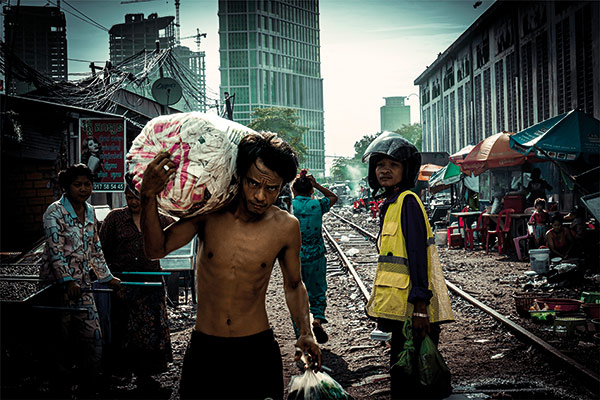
(98, 91)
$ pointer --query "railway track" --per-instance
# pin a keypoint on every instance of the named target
(355, 246)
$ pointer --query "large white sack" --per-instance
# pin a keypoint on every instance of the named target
(204, 150)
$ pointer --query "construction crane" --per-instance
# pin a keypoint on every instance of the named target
(197, 36)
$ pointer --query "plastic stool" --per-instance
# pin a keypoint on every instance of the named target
(517, 247)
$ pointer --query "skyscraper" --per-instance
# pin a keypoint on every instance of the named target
(394, 114)
(270, 57)
(38, 36)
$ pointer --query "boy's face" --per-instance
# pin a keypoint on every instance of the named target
(389, 172)
(260, 188)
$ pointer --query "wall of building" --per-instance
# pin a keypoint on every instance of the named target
(519, 64)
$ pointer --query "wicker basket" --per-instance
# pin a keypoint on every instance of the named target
(525, 300)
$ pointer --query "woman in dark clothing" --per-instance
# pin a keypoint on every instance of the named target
(141, 336)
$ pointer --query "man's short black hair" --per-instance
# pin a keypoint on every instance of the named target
(68, 175)
(275, 153)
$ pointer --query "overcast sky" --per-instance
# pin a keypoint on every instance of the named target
(370, 49)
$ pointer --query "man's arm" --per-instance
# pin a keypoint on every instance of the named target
(159, 243)
(296, 296)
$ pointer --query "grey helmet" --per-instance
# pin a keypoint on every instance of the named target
(393, 145)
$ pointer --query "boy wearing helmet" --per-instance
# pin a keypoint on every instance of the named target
(409, 283)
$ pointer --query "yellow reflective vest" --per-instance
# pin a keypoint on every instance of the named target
(392, 284)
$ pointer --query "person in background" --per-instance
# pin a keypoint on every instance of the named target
(284, 200)
(141, 337)
(71, 252)
(536, 187)
(559, 238)
(92, 156)
(310, 212)
(539, 220)
(409, 283)
(238, 247)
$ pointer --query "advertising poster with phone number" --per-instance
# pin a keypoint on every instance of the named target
(102, 147)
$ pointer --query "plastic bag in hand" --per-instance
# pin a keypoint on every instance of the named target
(316, 386)
(433, 371)
(204, 150)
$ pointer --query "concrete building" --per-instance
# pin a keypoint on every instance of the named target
(394, 114)
(38, 36)
(270, 57)
(518, 64)
(139, 33)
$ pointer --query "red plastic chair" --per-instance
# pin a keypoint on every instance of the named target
(482, 225)
(460, 226)
(502, 230)
(517, 240)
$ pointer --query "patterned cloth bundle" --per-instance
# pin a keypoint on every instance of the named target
(204, 150)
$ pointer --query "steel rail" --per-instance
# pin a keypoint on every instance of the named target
(359, 282)
(588, 376)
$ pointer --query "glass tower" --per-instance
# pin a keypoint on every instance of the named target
(270, 57)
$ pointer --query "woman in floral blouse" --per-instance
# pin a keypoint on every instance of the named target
(141, 336)
(72, 251)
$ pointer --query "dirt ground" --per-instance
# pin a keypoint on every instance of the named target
(483, 356)
(485, 359)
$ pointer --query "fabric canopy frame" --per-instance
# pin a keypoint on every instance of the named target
(564, 137)
(494, 152)
(427, 170)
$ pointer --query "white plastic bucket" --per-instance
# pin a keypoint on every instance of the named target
(539, 260)
(441, 237)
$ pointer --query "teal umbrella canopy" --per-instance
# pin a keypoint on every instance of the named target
(564, 137)
(446, 176)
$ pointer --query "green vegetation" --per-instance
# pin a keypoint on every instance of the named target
(352, 169)
(284, 122)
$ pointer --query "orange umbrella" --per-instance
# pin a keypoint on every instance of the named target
(494, 152)
(458, 157)
(427, 170)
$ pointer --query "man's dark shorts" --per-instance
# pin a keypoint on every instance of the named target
(246, 367)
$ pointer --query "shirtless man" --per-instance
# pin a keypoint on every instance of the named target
(232, 352)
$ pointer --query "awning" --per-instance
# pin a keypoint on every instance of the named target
(564, 137)
(494, 152)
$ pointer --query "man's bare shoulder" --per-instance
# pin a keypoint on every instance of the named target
(284, 219)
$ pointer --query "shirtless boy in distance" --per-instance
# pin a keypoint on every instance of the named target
(232, 352)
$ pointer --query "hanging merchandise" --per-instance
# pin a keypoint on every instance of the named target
(204, 150)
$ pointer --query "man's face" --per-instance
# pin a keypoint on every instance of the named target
(389, 172)
(260, 188)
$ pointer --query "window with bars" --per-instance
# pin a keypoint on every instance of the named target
(434, 136)
(527, 84)
(542, 76)
(583, 61)
(499, 78)
(477, 109)
(461, 117)
(563, 65)
(511, 93)
(445, 132)
(487, 101)
(452, 131)
(469, 114)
